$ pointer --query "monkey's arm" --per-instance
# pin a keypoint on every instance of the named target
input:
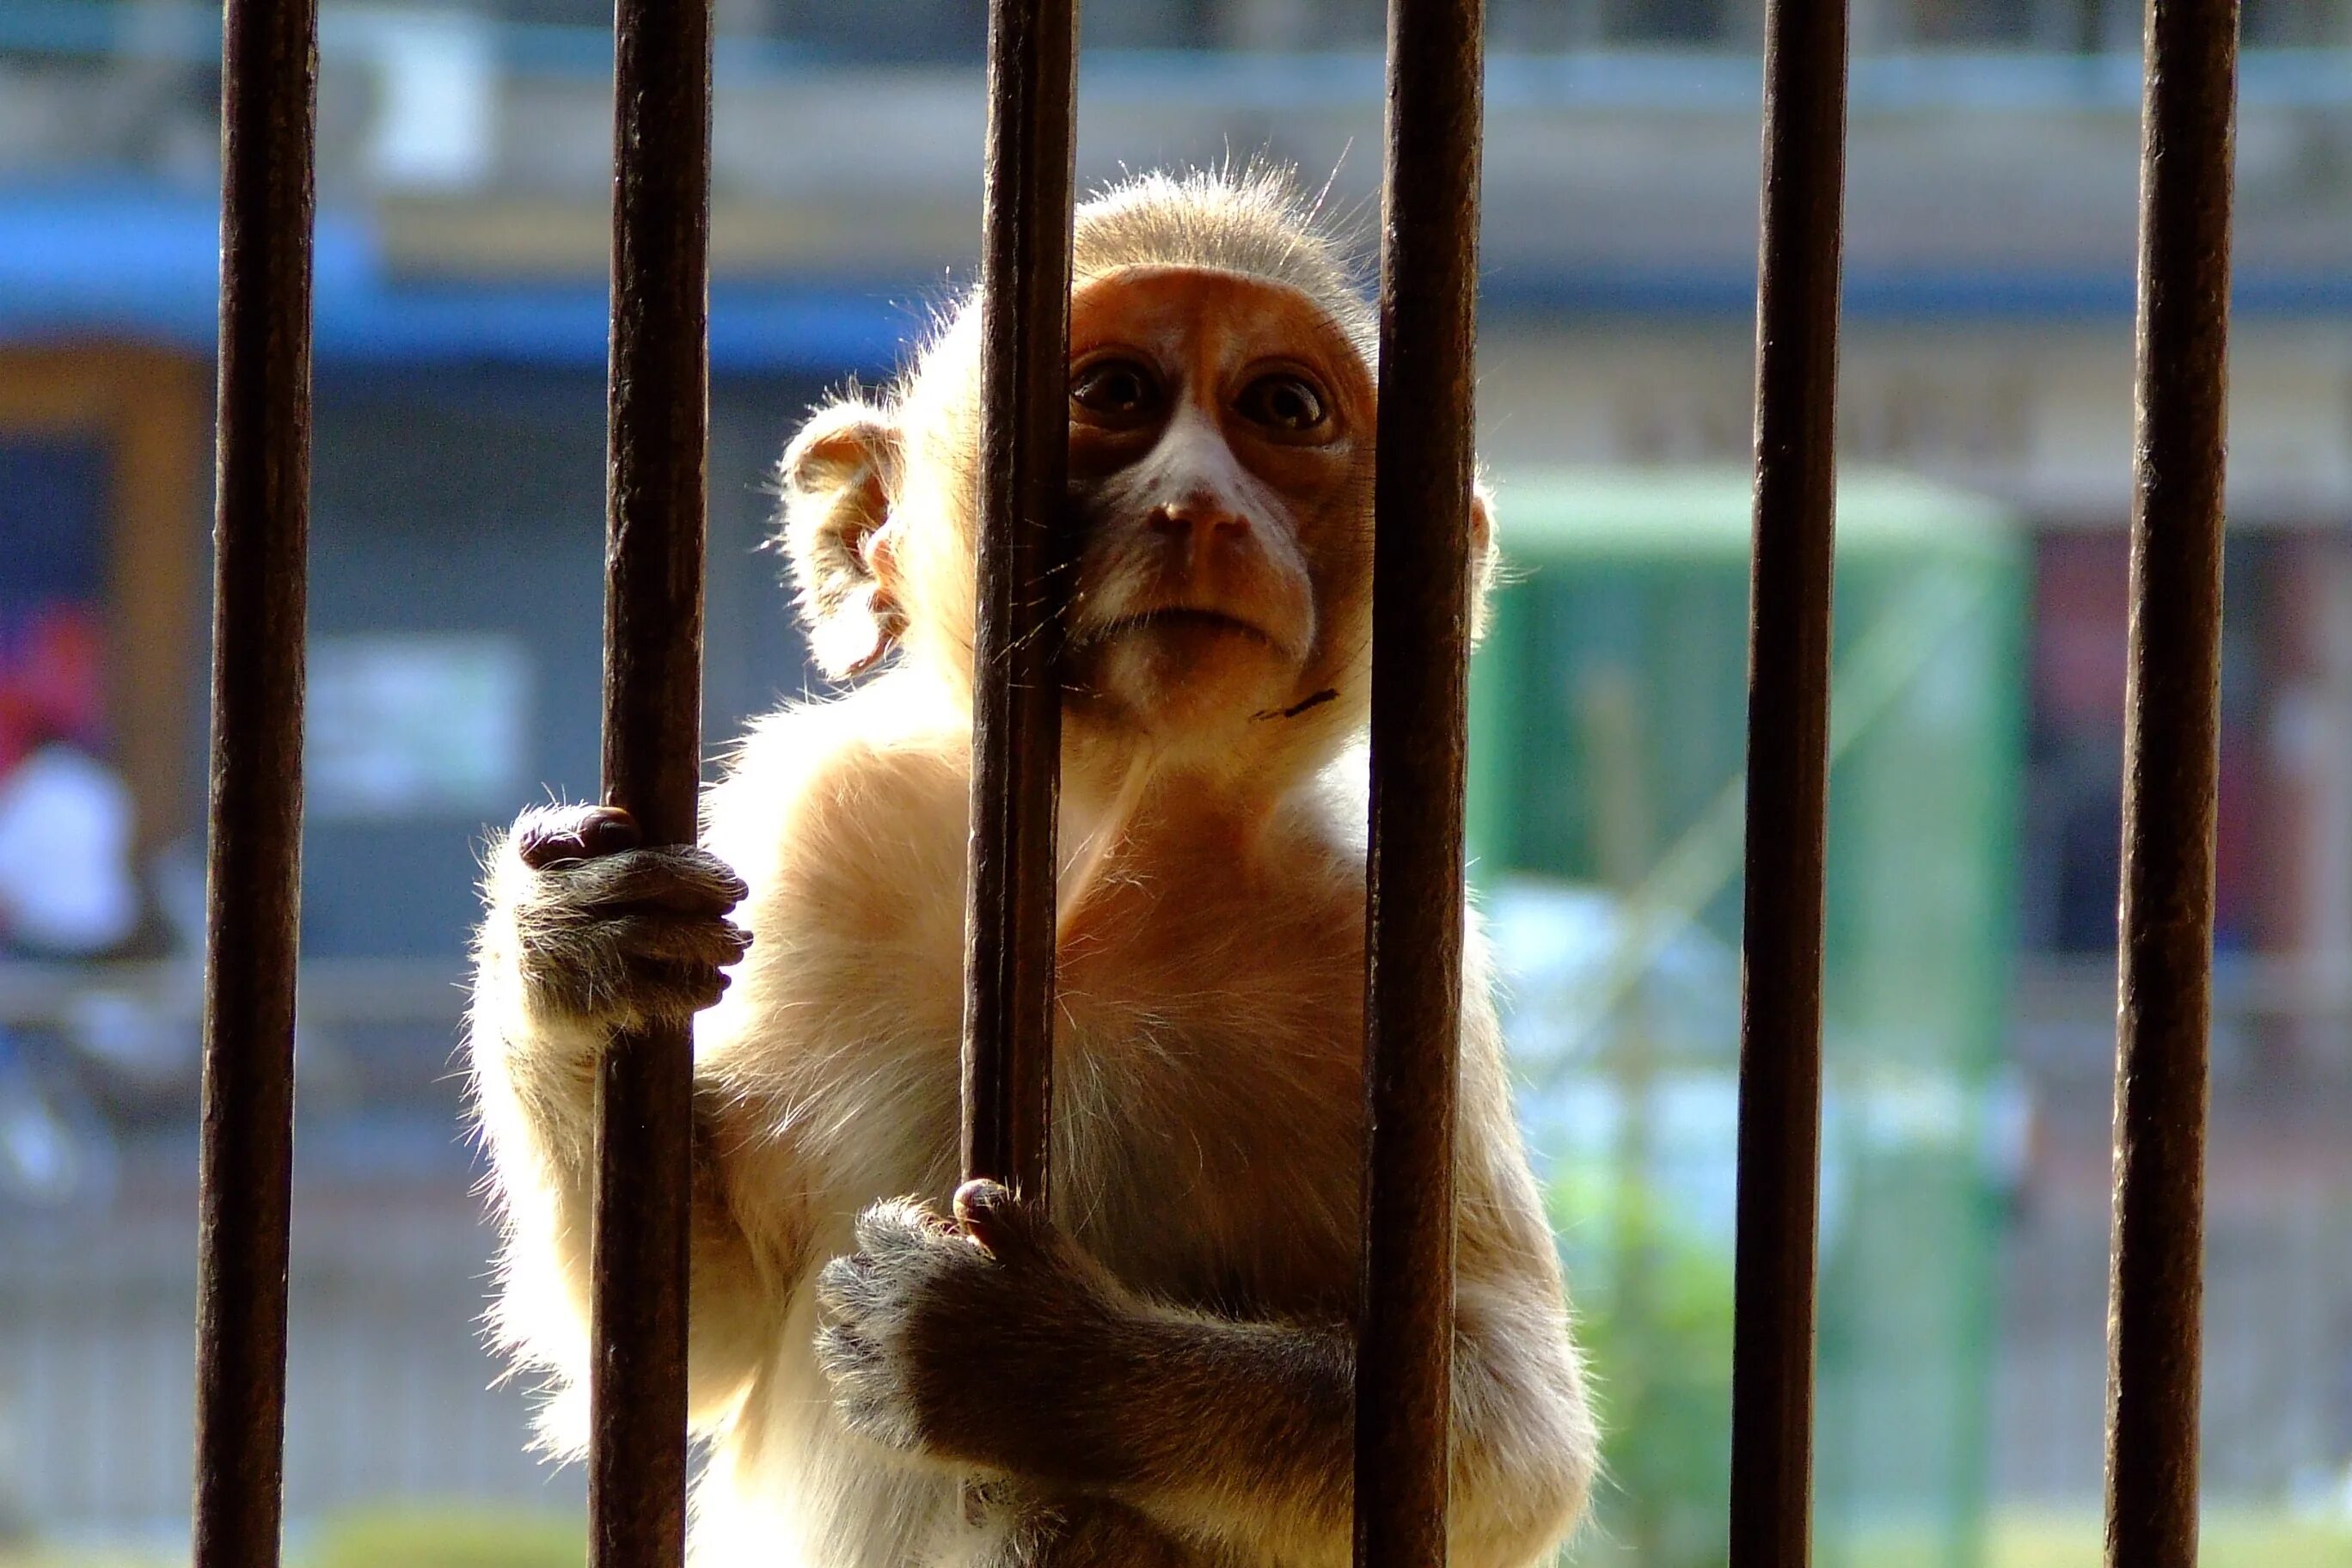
(1028, 1358)
(1245, 1432)
(571, 948)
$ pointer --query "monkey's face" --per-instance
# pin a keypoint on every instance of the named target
(1221, 445)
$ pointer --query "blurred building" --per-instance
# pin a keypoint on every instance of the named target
(464, 181)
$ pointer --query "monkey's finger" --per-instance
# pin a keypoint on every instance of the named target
(897, 1230)
(1000, 1222)
(856, 1368)
(626, 940)
(677, 880)
(658, 989)
(869, 1396)
(705, 942)
(844, 1354)
(656, 966)
(545, 834)
(848, 1289)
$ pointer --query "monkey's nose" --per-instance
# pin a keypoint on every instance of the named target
(1202, 525)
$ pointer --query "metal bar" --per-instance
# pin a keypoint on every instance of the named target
(269, 74)
(1420, 710)
(1788, 780)
(658, 420)
(2172, 719)
(1016, 707)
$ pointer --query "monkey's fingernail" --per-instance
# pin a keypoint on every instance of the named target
(609, 831)
(984, 1210)
(539, 850)
(575, 834)
(969, 1203)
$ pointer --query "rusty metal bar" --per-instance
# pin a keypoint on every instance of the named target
(1787, 782)
(1016, 704)
(659, 418)
(1419, 716)
(2172, 719)
(269, 74)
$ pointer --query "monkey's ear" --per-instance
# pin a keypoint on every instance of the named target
(837, 475)
(1486, 560)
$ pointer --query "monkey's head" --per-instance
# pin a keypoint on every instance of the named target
(1221, 417)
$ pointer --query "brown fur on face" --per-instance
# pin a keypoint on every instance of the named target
(1222, 490)
(1160, 1372)
(1240, 264)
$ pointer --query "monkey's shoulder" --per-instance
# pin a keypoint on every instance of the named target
(854, 811)
(847, 822)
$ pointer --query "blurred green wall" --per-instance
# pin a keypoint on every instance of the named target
(1607, 744)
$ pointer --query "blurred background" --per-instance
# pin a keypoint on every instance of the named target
(462, 180)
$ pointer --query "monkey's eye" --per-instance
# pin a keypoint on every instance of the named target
(1117, 390)
(1284, 401)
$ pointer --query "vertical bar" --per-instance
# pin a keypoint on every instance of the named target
(2171, 761)
(269, 72)
(1420, 704)
(1787, 782)
(659, 418)
(1017, 708)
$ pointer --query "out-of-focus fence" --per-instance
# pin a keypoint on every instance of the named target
(2277, 1415)
(390, 1395)
(391, 1386)
(2277, 1407)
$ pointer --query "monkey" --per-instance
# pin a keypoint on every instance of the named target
(1157, 1368)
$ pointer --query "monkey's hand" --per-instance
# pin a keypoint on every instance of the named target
(982, 1343)
(612, 935)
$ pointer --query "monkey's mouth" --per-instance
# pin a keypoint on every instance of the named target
(1181, 618)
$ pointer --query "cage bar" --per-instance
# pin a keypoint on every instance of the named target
(1788, 780)
(657, 455)
(1016, 707)
(2172, 722)
(1420, 713)
(269, 70)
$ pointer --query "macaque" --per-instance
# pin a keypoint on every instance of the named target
(1158, 1371)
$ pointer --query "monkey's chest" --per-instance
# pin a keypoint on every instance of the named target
(1209, 1118)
